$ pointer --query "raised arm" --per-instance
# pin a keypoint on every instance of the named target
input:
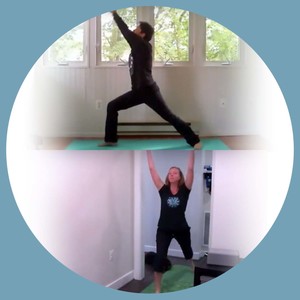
(155, 177)
(190, 170)
(129, 35)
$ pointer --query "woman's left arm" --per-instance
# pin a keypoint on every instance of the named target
(190, 170)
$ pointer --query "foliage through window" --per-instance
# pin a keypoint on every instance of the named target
(69, 48)
(222, 45)
(171, 43)
(171, 27)
(114, 47)
(171, 38)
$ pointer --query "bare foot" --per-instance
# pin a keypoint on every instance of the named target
(198, 146)
(108, 144)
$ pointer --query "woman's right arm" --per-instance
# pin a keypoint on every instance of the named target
(129, 35)
(155, 177)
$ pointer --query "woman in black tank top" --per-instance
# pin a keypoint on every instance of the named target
(174, 194)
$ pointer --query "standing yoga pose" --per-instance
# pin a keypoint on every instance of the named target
(174, 194)
(143, 88)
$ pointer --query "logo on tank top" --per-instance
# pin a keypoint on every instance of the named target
(173, 202)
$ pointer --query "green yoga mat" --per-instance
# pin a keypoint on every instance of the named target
(146, 144)
(178, 278)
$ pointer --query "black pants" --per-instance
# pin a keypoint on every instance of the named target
(152, 97)
(163, 240)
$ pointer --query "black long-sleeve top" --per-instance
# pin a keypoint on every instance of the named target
(140, 59)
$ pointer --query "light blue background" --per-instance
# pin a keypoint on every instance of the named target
(270, 27)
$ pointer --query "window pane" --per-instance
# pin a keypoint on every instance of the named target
(221, 43)
(171, 34)
(114, 47)
(68, 48)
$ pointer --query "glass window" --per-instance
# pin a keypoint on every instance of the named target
(171, 27)
(114, 48)
(222, 45)
(69, 49)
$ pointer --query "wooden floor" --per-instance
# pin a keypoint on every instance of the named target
(233, 142)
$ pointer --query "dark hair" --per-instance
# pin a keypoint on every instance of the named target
(147, 29)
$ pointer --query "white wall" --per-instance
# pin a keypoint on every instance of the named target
(240, 200)
(63, 100)
(79, 205)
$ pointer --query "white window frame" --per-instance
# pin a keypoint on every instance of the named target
(197, 46)
(98, 43)
(144, 13)
(224, 64)
(86, 52)
(190, 49)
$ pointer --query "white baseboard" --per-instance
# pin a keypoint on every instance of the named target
(65, 134)
(118, 283)
(100, 135)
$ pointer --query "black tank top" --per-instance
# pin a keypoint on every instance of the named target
(172, 212)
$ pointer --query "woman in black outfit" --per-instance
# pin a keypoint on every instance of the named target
(174, 194)
(143, 88)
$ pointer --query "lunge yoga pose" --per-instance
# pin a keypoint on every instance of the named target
(174, 194)
(143, 88)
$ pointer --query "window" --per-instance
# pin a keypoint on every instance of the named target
(171, 38)
(171, 27)
(222, 45)
(114, 47)
(178, 35)
(70, 49)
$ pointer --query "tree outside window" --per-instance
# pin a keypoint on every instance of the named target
(171, 34)
(114, 47)
(68, 48)
(171, 42)
(222, 45)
